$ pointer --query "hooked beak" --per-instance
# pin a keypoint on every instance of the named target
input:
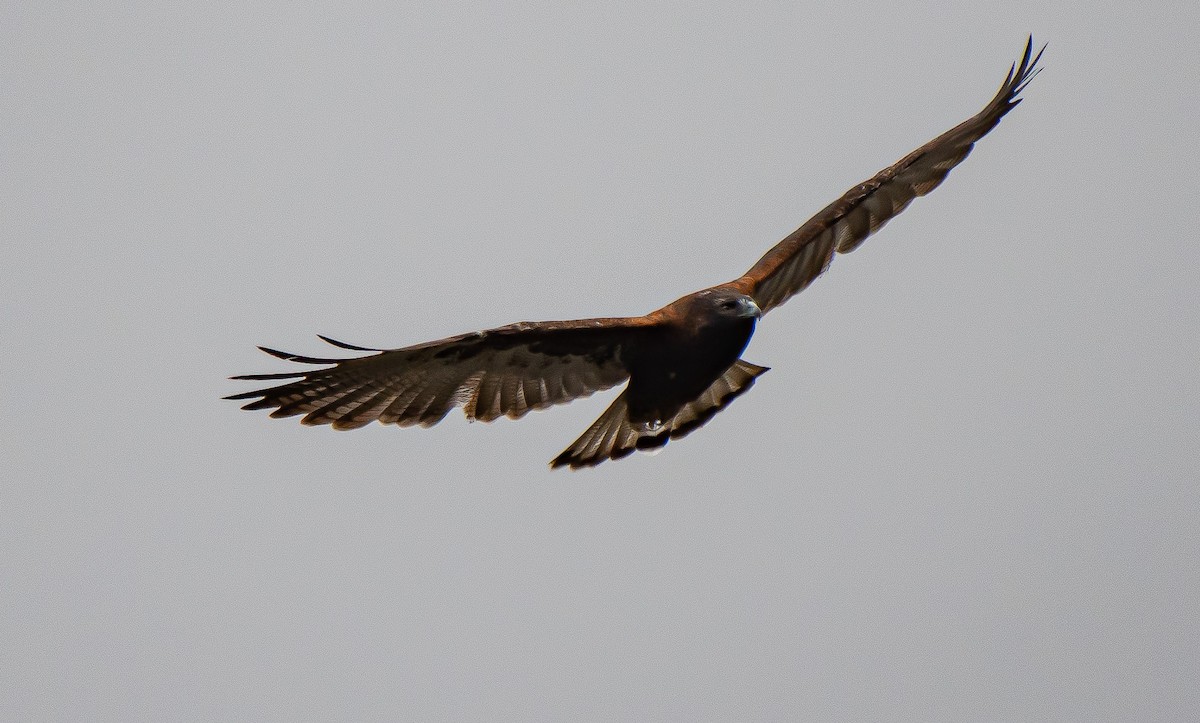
(750, 309)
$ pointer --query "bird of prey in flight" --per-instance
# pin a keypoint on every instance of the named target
(682, 362)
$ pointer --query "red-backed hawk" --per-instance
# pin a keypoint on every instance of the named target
(681, 361)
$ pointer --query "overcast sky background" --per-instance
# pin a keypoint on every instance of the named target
(968, 488)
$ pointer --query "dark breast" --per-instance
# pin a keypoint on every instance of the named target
(673, 368)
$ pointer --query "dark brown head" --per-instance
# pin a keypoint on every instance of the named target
(725, 304)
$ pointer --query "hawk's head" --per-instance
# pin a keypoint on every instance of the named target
(730, 304)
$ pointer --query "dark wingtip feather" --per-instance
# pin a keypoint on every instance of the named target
(1008, 78)
(344, 345)
(1026, 71)
(261, 377)
(287, 356)
(1019, 76)
(264, 403)
(263, 399)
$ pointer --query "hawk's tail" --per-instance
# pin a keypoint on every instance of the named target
(613, 436)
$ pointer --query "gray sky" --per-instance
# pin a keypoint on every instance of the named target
(966, 490)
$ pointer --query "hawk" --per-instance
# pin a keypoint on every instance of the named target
(682, 362)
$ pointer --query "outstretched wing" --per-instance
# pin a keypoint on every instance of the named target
(506, 371)
(844, 224)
